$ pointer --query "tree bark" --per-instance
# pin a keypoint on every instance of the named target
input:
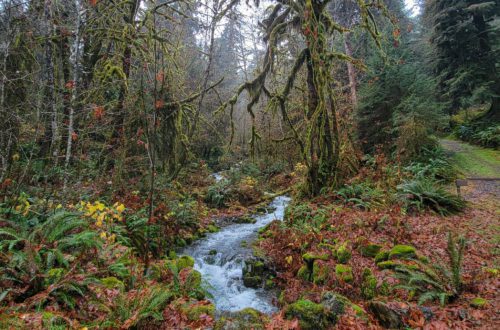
(49, 146)
(351, 72)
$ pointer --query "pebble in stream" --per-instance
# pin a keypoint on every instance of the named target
(220, 259)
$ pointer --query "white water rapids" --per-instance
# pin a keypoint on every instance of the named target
(220, 256)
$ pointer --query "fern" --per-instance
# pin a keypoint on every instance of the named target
(434, 282)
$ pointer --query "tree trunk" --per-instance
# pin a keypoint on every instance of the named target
(351, 72)
(489, 61)
(76, 85)
(49, 145)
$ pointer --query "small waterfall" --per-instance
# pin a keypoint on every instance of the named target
(220, 259)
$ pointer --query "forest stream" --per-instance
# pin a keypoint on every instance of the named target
(220, 257)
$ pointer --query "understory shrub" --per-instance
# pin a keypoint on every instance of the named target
(363, 195)
(424, 193)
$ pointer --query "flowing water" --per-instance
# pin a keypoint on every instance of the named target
(220, 258)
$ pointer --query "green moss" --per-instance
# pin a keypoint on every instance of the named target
(112, 283)
(344, 273)
(311, 257)
(180, 242)
(247, 318)
(212, 252)
(402, 251)
(252, 281)
(334, 304)
(369, 284)
(172, 254)
(360, 312)
(250, 314)
(382, 256)
(212, 228)
(479, 302)
(311, 316)
(387, 264)
(370, 250)
(185, 262)
(343, 254)
(194, 312)
(269, 284)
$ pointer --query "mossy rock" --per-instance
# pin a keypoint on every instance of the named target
(389, 264)
(252, 281)
(112, 283)
(343, 254)
(245, 219)
(194, 311)
(212, 252)
(360, 312)
(370, 250)
(185, 262)
(402, 252)
(311, 257)
(311, 316)
(180, 242)
(269, 284)
(212, 229)
(190, 238)
(304, 273)
(247, 318)
(479, 302)
(387, 316)
(334, 304)
(382, 256)
(369, 284)
(172, 255)
(344, 273)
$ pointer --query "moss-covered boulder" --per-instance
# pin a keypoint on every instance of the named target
(212, 228)
(245, 219)
(195, 309)
(343, 254)
(370, 250)
(255, 273)
(319, 274)
(304, 273)
(369, 284)
(402, 252)
(310, 257)
(388, 317)
(311, 316)
(252, 281)
(185, 262)
(334, 304)
(479, 302)
(344, 273)
(247, 318)
(382, 256)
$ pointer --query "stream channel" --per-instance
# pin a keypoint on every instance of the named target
(220, 257)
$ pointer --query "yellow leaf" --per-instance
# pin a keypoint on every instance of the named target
(103, 235)
(120, 208)
(289, 260)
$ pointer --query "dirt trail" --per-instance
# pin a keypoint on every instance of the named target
(476, 162)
